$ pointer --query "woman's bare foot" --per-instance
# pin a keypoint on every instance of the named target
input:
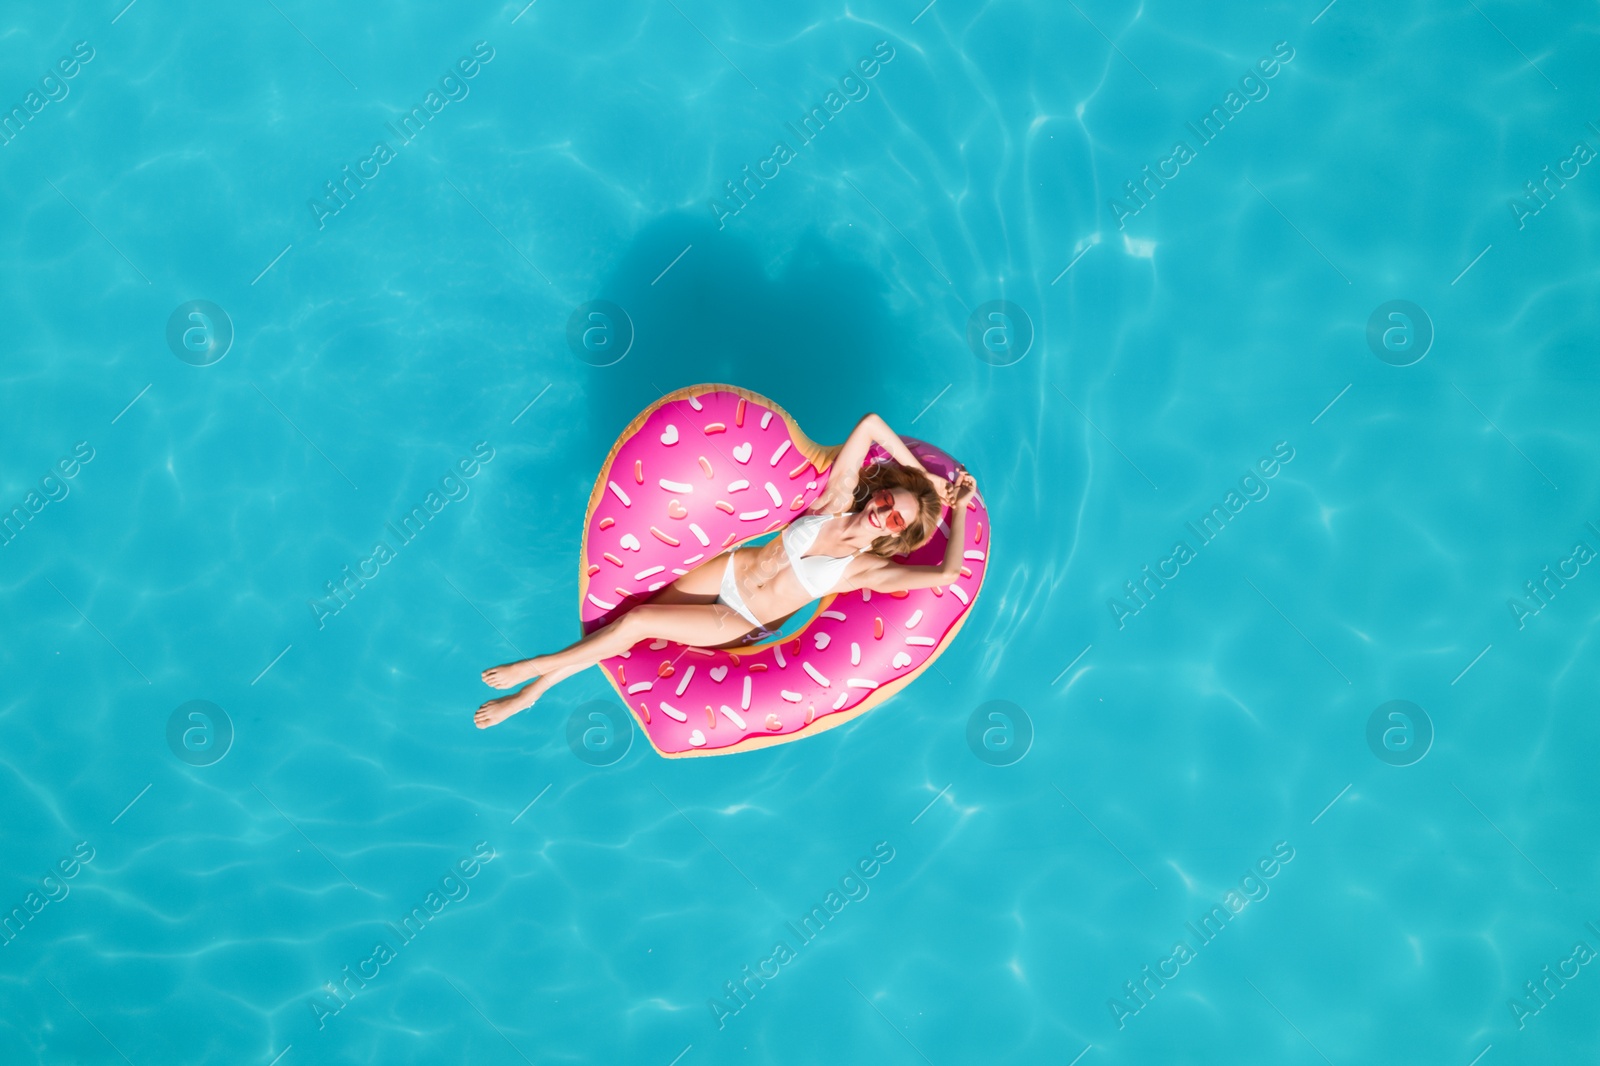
(509, 674)
(493, 712)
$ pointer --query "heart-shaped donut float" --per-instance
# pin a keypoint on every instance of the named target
(702, 470)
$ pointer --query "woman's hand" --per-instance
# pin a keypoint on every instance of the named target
(945, 490)
(964, 489)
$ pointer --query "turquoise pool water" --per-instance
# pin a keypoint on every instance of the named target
(1214, 758)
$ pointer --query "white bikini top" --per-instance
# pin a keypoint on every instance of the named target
(817, 573)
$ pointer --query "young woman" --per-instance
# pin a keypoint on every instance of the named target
(742, 595)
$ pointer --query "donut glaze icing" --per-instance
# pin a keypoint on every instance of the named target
(702, 470)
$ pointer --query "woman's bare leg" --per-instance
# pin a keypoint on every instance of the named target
(701, 625)
(701, 585)
(516, 673)
(493, 712)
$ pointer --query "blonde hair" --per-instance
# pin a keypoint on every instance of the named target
(876, 477)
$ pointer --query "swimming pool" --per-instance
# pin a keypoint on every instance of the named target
(1270, 740)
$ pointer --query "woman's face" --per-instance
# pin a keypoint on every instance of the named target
(888, 512)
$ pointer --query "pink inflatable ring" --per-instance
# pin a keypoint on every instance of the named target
(708, 467)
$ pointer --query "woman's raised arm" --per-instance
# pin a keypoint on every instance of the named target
(880, 432)
(846, 469)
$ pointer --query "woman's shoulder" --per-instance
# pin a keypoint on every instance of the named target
(802, 530)
(861, 571)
